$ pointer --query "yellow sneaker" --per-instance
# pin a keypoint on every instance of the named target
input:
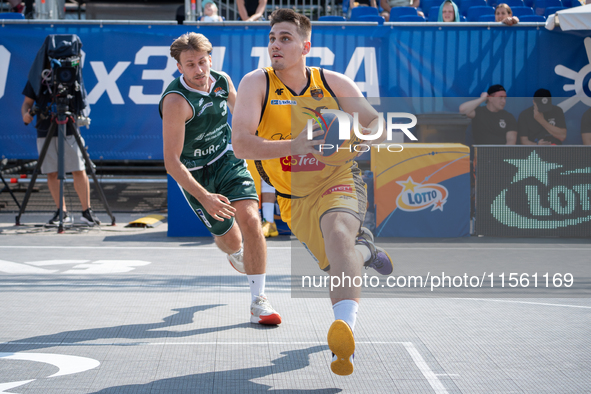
(342, 345)
(269, 229)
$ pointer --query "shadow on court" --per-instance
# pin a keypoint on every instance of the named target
(237, 380)
(131, 331)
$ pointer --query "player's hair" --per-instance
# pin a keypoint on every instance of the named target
(189, 42)
(288, 15)
(506, 7)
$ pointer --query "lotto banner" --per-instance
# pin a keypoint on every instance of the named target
(533, 191)
(422, 191)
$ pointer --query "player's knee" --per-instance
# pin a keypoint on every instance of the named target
(251, 225)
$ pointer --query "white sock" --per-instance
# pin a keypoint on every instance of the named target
(346, 310)
(257, 285)
(269, 212)
(365, 252)
(237, 253)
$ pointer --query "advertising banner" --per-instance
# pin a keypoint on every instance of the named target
(533, 191)
(126, 68)
(422, 191)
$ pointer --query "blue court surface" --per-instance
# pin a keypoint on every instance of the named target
(128, 310)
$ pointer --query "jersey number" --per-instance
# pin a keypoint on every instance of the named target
(224, 105)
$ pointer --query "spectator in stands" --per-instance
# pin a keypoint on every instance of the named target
(251, 10)
(586, 127)
(542, 123)
(16, 6)
(362, 3)
(448, 12)
(387, 5)
(210, 12)
(491, 124)
(504, 14)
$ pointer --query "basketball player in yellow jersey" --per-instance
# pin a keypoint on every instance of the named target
(325, 212)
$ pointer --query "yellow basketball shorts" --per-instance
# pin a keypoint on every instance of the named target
(345, 192)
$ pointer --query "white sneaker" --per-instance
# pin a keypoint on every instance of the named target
(237, 261)
(262, 312)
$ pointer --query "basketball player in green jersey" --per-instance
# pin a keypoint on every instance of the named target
(198, 155)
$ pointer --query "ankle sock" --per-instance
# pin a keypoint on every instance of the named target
(346, 310)
(257, 285)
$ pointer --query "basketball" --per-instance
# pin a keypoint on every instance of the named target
(334, 151)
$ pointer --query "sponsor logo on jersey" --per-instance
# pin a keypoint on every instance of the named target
(301, 163)
(279, 91)
(201, 102)
(200, 137)
(284, 102)
(419, 196)
(219, 91)
(338, 188)
(316, 92)
(207, 105)
(202, 217)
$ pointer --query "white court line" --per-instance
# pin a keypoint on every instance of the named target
(467, 248)
(526, 302)
(433, 380)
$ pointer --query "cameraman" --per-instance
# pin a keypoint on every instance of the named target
(73, 160)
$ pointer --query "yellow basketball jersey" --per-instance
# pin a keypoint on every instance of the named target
(285, 114)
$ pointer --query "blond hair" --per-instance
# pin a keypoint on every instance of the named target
(189, 42)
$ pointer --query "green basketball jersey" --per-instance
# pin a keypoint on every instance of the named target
(207, 133)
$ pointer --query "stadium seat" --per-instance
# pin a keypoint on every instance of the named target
(358, 11)
(512, 3)
(532, 18)
(411, 18)
(397, 12)
(541, 5)
(529, 3)
(433, 14)
(467, 4)
(428, 5)
(521, 11)
(11, 15)
(332, 18)
(371, 18)
(486, 18)
(462, 18)
(552, 10)
(475, 12)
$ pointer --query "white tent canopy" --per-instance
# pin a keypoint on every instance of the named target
(576, 18)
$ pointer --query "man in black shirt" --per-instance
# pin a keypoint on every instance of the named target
(542, 123)
(251, 10)
(586, 127)
(491, 124)
(73, 159)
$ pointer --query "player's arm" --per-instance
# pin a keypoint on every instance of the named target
(352, 100)
(231, 93)
(245, 121)
(469, 107)
(175, 112)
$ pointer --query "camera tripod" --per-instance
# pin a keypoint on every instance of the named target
(62, 122)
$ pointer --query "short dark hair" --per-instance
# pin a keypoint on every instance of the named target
(302, 22)
(495, 88)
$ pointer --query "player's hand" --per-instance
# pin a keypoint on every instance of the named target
(302, 146)
(484, 95)
(542, 141)
(27, 118)
(218, 206)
